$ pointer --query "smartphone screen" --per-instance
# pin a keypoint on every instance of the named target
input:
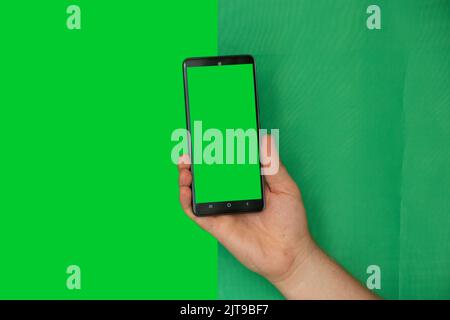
(222, 118)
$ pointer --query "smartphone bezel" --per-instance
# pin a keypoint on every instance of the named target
(223, 207)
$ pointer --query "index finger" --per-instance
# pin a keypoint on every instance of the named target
(184, 162)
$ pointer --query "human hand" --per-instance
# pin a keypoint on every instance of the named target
(276, 242)
(273, 242)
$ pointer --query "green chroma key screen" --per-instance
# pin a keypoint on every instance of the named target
(221, 98)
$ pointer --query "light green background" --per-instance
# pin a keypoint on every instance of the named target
(223, 98)
(86, 176)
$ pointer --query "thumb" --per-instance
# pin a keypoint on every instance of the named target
(275, 173)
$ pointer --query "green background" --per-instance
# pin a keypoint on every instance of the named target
(86, 176)
(86, 118)
(223, 98)
(364, 118)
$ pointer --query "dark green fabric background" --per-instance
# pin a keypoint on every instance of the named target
(364, 118)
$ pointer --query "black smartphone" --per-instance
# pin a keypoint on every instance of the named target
(223, 123)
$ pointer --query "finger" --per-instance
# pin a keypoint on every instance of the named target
(186, 204)
(218, 226)
(186, 199)
(222, 226)
(184, 162)
(275, 173)
(185, 178)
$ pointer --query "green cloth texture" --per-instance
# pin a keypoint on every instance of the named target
(364, 119)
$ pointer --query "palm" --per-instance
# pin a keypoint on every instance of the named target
(264, 241)
(267, 242)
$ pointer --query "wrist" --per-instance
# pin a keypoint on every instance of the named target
(290, 282)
